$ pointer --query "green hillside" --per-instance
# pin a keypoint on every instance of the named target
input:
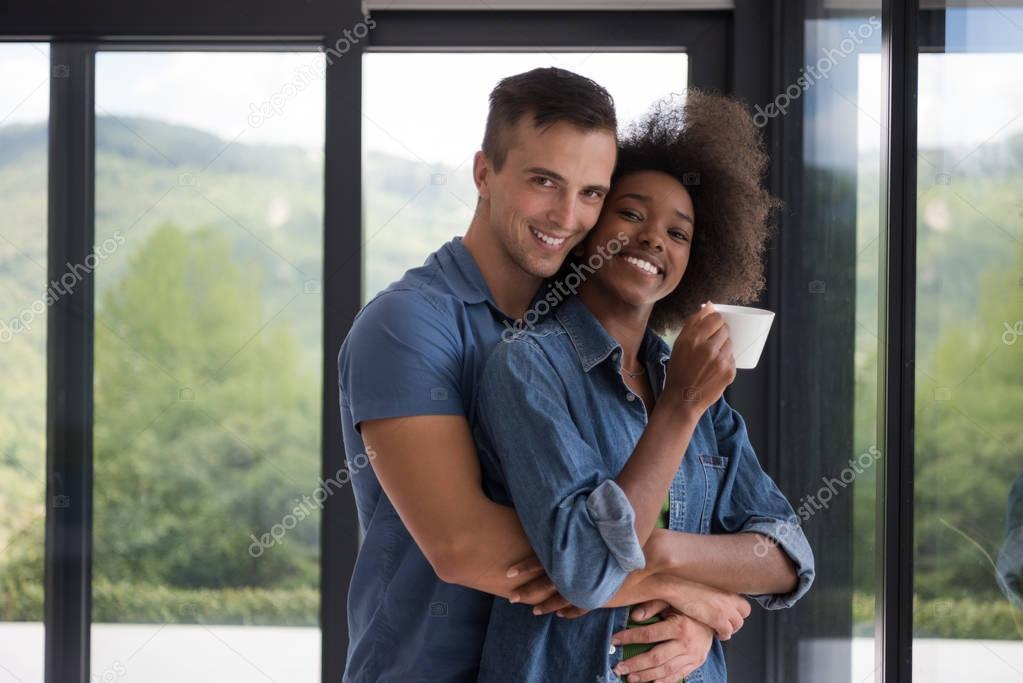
(209, 352)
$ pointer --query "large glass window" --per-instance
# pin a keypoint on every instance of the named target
(209, 195)
(417, 170)
(24, 115)
(830, 452)
(968, 555)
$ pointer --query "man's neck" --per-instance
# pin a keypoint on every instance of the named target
(513, 289)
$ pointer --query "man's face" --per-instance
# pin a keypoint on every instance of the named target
(549, 192)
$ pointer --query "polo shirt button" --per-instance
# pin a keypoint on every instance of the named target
(612, 650)
(630, 397)
(615, 355)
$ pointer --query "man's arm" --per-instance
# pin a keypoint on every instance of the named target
(427, 465)
(399, 373)
(429, 468)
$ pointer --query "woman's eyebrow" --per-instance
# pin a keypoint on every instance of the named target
(646, 200)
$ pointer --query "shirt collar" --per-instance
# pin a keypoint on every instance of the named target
(462, 273)
(465, 277)
(592, 342)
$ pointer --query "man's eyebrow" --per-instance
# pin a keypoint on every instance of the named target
(540, 170)
(646, 200)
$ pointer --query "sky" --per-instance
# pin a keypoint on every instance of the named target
(432, 107)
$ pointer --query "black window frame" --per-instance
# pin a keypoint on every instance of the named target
(761, 41)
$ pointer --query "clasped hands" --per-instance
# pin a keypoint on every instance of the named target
(692, 614)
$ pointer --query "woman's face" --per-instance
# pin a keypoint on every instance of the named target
(655, 212)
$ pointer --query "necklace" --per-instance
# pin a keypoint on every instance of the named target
(633, 374)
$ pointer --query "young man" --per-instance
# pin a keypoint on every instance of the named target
(436, 549)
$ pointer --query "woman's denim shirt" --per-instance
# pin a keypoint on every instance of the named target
(557, 424)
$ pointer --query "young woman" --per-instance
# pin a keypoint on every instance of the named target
(564, 404)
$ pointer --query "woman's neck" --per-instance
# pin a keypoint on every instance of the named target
(625, 322)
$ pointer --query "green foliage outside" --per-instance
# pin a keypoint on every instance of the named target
(207, 422)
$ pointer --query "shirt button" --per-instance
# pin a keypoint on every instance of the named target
(630, 397)
(612, 650)
(615, 355)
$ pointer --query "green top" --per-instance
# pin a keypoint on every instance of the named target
(633, 649)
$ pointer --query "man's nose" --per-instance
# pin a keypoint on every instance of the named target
(562, 213)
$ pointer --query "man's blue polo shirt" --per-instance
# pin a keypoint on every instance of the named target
(418, 348)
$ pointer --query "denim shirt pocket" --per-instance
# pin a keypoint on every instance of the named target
(714, 469)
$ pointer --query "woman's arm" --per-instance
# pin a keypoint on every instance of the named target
(747, 563)
(578, 520)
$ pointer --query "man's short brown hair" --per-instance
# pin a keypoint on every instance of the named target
(550, 95)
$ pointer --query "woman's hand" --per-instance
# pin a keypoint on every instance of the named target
(720, 610)
(702, 364)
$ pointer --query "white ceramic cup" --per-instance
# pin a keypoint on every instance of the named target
(748, 328)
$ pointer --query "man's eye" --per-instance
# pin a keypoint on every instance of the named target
(594, 194)
(540, 180)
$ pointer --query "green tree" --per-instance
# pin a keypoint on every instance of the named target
(206, 430)
(969, 446)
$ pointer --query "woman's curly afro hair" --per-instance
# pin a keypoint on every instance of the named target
(709, 143)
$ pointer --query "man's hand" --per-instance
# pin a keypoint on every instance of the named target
(537, 588)
(682, 647)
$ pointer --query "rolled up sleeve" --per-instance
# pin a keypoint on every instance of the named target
(790, 538)
(615, 519)
(750, 502)
(578, 520)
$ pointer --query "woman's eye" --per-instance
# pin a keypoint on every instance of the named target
(679, 235)
(631, 215)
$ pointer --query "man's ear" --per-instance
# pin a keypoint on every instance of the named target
(481, 174)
